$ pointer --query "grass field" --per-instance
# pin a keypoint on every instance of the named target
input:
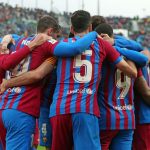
(41, 148)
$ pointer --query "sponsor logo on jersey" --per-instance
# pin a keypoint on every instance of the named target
(15, 89)
(81, 91)
(123, 107)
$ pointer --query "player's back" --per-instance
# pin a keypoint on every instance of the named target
(25, 98)
(142, 109)
(115, 98)
(77, 81)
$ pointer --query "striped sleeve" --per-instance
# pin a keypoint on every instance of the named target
(52, 60)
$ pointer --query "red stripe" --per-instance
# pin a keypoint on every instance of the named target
(3, 131)
(13, 100)
(61, 88)
(92, 60)
(131, 103)
(126, 121)
(5, 101)
(71, 87)
(106, 94)
(114, 97)
(96, 109)
(79, 96)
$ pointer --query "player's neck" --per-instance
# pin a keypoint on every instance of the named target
(81, 34)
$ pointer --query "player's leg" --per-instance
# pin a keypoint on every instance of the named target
(85, 132)
(62, 132)
(123, 140)
(20, 129)
(141, 137)
(45, 129)
(106, 137)
(2, 132)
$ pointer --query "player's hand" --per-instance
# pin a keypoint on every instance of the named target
(3, 86)
(147, 53)
(4, 44)
(107, 38)
(39, 40)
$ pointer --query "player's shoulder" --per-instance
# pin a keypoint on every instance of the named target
(52, 41)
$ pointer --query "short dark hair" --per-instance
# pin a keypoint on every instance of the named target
(47, 22)
(80, 20)
(96, 20)
(104, 28)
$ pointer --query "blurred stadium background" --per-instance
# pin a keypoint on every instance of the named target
(20, 19)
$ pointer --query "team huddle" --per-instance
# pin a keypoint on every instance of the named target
(90, 91)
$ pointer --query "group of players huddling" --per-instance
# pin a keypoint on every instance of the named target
(88, 92)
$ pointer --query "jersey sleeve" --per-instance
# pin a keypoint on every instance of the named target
(125, 43)
(71, 49)
(111, 54)
(8, 61)
(139, 58)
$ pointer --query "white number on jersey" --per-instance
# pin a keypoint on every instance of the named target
(122, 82)
(78, 63)
(21, 68)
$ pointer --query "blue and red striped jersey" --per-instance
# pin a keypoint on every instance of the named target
(27, 98)
(78, 79)
(115, 99)
(142, 109)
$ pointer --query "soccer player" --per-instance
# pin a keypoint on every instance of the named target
(115, 97)
(44, 123)
(74, 111)
(142, 132)
(24, 102)
(8, 61)
(118, 40)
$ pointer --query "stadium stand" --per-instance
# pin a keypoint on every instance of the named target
(23, 21)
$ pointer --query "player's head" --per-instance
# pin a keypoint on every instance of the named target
(81, 22)
(48, 25)
(104, 28)
(96, 20)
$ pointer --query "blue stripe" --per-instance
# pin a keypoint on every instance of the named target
(119, 59)
(9, 99)
(96, 75)
(3, 97)
(128, 112)
(85, 95)
(66, 85)
(16, 102)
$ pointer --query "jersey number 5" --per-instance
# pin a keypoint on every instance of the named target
(78, 63)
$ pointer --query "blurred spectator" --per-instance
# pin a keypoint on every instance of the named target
(23, 21)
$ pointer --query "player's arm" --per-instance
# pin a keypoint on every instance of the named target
(121, 41)
(128, 67)
(31, 76)
(8, 61)
(143, 89)
(139, 58)
(114, 57)
(75, 48)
